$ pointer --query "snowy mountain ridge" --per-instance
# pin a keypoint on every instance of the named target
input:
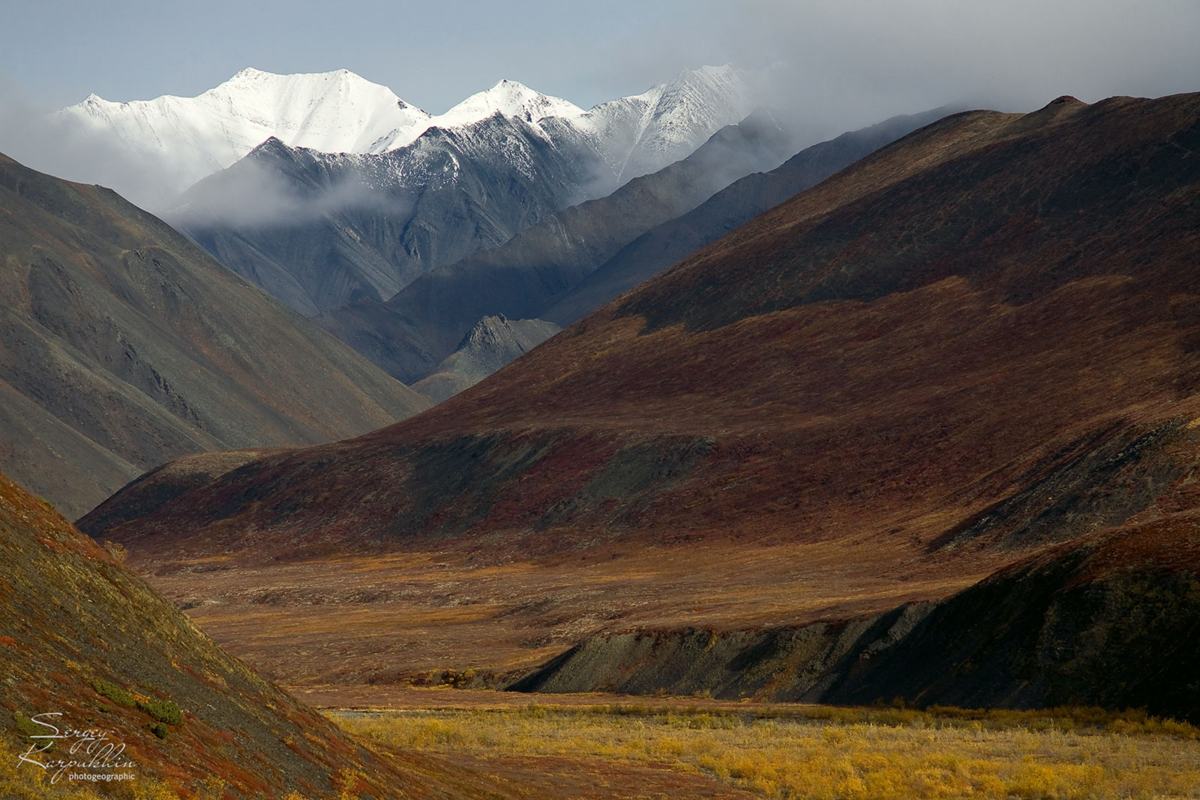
(340, 112)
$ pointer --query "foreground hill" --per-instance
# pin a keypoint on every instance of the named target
(82, 637)
(975, 344)
(123, 345)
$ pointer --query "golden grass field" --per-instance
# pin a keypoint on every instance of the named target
(791, 751)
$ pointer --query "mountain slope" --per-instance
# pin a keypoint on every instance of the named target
(663, 245)
(80, 634)
(411, 332)
(124, 345)
(973, 346)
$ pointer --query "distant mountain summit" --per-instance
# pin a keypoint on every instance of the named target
(340, 112)
(332, 112)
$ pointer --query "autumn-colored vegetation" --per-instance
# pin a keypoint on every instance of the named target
(823, 752)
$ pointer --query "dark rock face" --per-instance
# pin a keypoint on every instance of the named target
(493, 343)
(123, 345)
(1111, 621)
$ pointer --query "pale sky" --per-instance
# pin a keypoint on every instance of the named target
(848, 62)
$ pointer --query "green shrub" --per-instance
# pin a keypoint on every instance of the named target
(158, 729)
(114, 693)
(162, 710)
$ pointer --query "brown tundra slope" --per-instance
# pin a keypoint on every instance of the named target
(77, 626)
(977, 343)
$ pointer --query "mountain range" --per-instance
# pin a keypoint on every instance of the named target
(319, 230)
(186, 139)
(971, 348)
(574, 261)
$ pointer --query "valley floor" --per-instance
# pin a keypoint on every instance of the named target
(354, 628)
(791, 751)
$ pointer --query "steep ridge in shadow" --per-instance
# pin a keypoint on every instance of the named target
(410, 333)
(123, 345)
(492, 343)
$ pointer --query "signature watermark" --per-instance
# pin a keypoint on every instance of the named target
(79, 754)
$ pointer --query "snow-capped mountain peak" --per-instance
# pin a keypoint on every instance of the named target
(512, 99)
(330, 111)
(509, 98)
(645, 132)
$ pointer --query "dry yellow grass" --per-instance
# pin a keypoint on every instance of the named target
(813, 752)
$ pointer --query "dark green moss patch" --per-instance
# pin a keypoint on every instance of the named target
(114, 693)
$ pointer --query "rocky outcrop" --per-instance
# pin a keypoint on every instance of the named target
(490, 345)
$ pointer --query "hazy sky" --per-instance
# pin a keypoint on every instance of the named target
(848, 61)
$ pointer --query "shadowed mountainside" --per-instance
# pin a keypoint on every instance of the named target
(123, 345)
